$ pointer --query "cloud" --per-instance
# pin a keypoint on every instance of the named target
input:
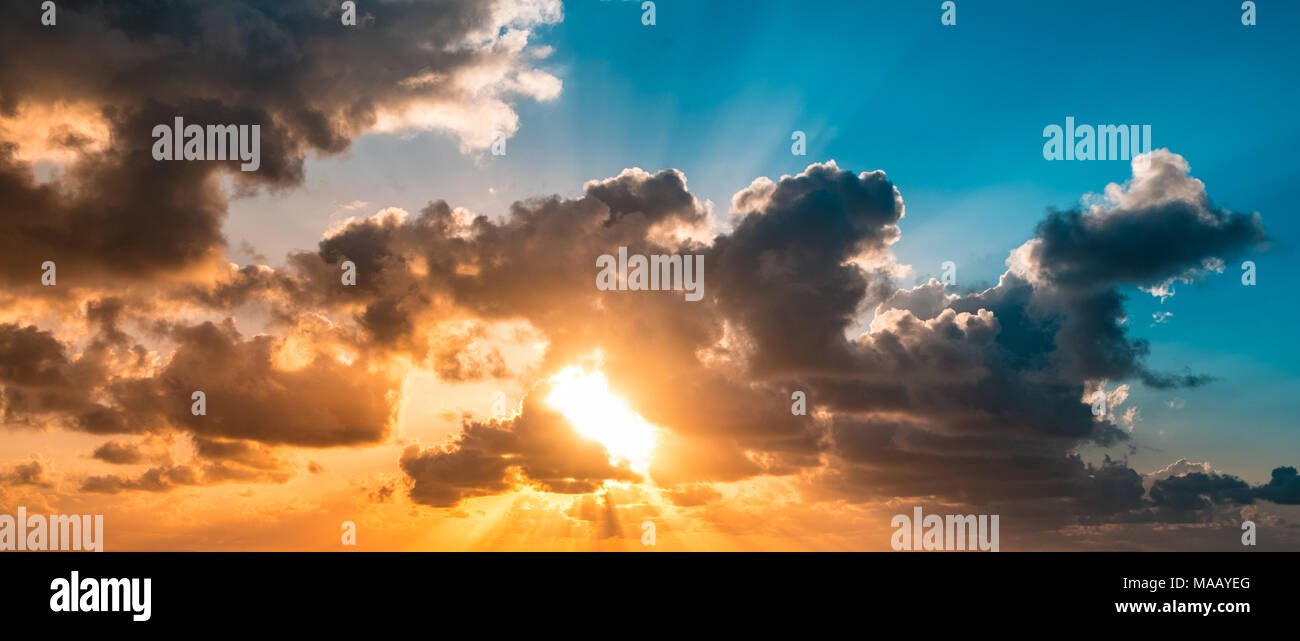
(321, 402)
(694, 495)
(120, 453)
(382, 494)
(169, 478)
(1283, 487)
(215, 461)
(537, 447)
(254, 390)
(1189, 492)
(1156, 228)
(1180, 467)
(153, 448)
(783, 273)
(974, 398)
(969, 397)
(40, 381)
(290, 66)
(1198, 491)
(458, 355)
(35, 473)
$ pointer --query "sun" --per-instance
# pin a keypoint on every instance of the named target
(598, 414)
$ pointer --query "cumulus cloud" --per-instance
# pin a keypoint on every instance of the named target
(289, 66)
(1283, 487)
(978, 396)
(1158, 227)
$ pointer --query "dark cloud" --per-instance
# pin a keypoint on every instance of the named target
(106, 315)
(1186, 492)
(1198, 491)
(30, 357)
(289, 66)
(40, 384)
(317, 401)
(244, 453)
(782, 273)
(154, 448)
(1283, 487)
(1161, 227)
(120, 453)
(322, 403)
(115, 213)
(538, 447)
(33, 473)
(991, 382)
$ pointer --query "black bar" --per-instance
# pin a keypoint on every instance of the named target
(330, 589)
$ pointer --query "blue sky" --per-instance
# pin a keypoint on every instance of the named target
(954, 115)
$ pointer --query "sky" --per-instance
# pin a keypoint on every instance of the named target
(374, 405)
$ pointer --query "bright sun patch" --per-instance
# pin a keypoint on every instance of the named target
(598, 414)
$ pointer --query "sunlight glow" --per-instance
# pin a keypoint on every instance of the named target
(598, 414)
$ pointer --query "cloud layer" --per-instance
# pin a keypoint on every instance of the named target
(975, 399)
